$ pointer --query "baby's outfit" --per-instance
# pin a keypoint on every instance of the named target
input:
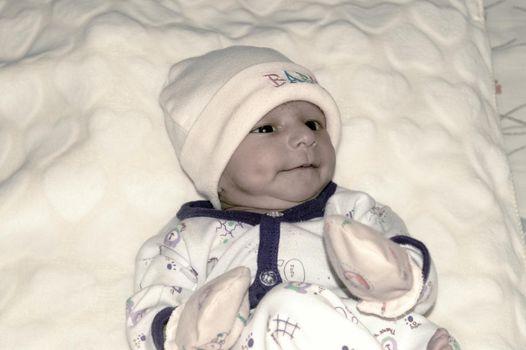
(297, 301)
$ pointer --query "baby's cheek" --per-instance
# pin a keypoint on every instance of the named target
(265, 164)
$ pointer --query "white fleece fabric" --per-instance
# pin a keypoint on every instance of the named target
(87, 172)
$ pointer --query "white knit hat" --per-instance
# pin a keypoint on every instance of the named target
(211, 103)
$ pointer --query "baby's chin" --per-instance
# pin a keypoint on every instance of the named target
(269, 203)
(287, 202)
(305, 193)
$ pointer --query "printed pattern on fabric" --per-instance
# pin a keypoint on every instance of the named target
(201, 247)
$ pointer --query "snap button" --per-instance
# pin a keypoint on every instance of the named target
(268, 278)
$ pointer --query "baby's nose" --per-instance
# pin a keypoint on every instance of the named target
(303, 136)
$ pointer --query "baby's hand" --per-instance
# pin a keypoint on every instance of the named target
(441, 340)
(214, 315)
(372, 267)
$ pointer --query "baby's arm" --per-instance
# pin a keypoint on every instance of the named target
(169, 293)
(374, 241)
(164, 280)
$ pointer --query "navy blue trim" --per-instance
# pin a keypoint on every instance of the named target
(306, 211)
(206, 209)
(426, 257)
(269, 233)
(314, 208)
(159, 323)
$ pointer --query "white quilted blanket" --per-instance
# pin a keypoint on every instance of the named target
(506, 26)
(87, 172)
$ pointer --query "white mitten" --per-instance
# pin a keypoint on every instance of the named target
(213, 316)
(372, 267)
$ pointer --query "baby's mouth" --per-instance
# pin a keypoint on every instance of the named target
(303, 166)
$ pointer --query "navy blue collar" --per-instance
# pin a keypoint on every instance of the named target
(302, 212)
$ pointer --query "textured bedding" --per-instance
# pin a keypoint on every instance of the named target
(87, 172)
(506, 24)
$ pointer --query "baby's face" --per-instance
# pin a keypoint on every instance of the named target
(286, 159)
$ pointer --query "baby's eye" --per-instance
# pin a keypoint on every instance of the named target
(314, 125)
(264, 129)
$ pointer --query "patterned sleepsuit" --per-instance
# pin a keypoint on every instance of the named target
(296, 300)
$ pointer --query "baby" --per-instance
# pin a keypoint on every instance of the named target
(278, 256)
